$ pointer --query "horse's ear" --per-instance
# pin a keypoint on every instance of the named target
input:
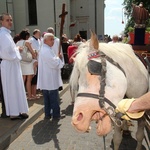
(94, 40)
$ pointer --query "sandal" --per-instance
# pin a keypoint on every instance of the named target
(35, 97)
(30, 99)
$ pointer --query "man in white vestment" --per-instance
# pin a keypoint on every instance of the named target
(35, 40)
(56, 48)
(12, 81)
(49, 65)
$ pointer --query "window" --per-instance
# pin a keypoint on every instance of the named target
(32, 12)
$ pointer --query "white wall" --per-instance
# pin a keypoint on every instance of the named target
(45, 14)
(89, 15)
(2, 6)
(81, 10)
(100, 17)
(7, 7)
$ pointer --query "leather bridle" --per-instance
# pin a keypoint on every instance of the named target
(101, 97)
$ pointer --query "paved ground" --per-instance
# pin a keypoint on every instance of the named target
(10, 130)
(60, 135)
(39, 134)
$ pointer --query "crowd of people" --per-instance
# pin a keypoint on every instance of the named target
(115, 38)
(20, 79)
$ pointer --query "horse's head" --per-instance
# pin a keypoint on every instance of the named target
(104, 73)
(85, 79)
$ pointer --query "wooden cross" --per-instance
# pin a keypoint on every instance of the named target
(62, 16)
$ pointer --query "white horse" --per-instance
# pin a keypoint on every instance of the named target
(105, 72)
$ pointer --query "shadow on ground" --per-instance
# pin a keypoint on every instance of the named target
(46, 131)
(68, 111)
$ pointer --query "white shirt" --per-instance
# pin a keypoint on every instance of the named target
(35, 43)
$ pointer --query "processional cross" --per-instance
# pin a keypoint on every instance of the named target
(62, 16)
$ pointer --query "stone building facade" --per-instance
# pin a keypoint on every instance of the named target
(83, 16)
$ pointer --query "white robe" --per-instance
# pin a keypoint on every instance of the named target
(49, 66)
(56, 50)
(11, 75)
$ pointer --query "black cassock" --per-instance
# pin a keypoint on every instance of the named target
(2, 97)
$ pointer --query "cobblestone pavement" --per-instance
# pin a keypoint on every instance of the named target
(60, 135)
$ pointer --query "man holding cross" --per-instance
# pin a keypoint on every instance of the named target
(57, 47)
(57, 52)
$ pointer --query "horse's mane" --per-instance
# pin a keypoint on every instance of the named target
(116, 51)
(121, 50)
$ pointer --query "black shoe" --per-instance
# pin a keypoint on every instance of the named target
(47, 117)
(57, 118)
(60, 88)
(15, 117)
(21, 116)
(4, 115)
(24, 115)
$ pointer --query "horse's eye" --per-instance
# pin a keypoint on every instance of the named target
(94, 67)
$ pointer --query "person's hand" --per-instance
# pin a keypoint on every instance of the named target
(34, 55)
(123, 107)
(60, 55)
(72, 59)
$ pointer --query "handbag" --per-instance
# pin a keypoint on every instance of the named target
(66, 71)
(26, 54)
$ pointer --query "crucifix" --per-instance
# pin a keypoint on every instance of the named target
(62, 16)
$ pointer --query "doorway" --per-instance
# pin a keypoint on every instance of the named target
(83, 34)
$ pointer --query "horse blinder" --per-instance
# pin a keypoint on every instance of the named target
(94, 67)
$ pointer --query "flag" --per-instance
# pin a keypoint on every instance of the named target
(72, 24)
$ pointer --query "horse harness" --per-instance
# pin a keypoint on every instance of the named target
(97, 68)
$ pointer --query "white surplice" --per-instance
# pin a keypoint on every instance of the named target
(11, 75)
(49, 66)
(56, 51)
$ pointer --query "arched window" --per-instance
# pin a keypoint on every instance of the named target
(32, 12)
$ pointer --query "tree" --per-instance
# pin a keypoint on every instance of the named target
(128, 11)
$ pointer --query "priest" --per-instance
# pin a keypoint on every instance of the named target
(12, 82)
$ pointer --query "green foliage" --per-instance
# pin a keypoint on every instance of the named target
(148, 29)
(129, 25)
(130, 29)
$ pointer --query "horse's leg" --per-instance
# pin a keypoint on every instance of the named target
(140, 133)
(117, 137)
